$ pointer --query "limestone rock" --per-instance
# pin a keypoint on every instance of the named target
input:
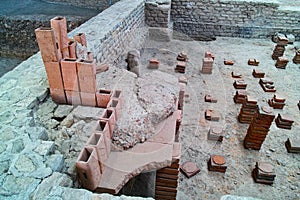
(62, 111)
(45, 148)
(55, 162)
(56, 179)
(86, 113)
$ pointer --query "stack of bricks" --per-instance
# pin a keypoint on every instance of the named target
(267, 85)
(217, 163)
(296, 58)
(253, 62)
(207, 63)
(284, 121)
(240, 96)
(181, 62)
(240, 84)
(215, 134)
(71, 81)
(209, 98)
(280, 47)
(212, 115)
(292, 145)
(258, 73)
(281, 62)
(182, 88)
(248, 110)
(263, 173)
(277, 102)
(259, 128)
(167, 178)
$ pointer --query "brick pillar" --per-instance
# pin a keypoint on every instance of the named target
(167, 178)
(259, 128)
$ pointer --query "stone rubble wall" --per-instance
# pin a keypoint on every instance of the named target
(157, 13)
(245, 19)
(115, 31)
(17, 37)
(93, 4)
(30, 162)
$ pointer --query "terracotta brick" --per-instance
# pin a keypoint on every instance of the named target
(54, 75)
(72, 49)
(103, 128)
(109, 116)
(86, 75)
(58, 96)
(116, 105)
(103, 97)
(73, 97)
(59, 24)
(69, 74)
(88, 168)
(48, 44)
(118, 94)
(97, 141)
(81, 38)
(88, 99)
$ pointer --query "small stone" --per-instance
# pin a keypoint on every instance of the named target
(68, 121)
(62, 111)
(272, 150)
(55, 162)
(18, 146)
(24, 164)
(45, 148)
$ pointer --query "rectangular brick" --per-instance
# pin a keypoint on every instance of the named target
(59, 25)
(58, 96)
(69, 74)
(48, 44)
(72, 49)
(88, 99)
(81, 38)
(86, 75)
(73, 97)
(54, 75)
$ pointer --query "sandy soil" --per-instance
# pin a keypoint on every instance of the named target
(195, 146)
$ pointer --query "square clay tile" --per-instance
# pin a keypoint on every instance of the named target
(189, 169)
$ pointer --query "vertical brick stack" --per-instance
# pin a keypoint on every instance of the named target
(240, 96)
(248, 110)
(296, 58)
(264, 173)
(167, 178)
(207, 65)
(259, 128)
(280, 47)
(281, 62)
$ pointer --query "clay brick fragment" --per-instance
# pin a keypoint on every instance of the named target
(189, 169)
(228, 62)
(263, 173)
(81, 38)
(153, 64)
(217, 163)
(253, 62)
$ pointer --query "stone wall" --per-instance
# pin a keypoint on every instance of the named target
(157, 13)
(94, 4)
(115, 31)
(248, 19)
(17, 37)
